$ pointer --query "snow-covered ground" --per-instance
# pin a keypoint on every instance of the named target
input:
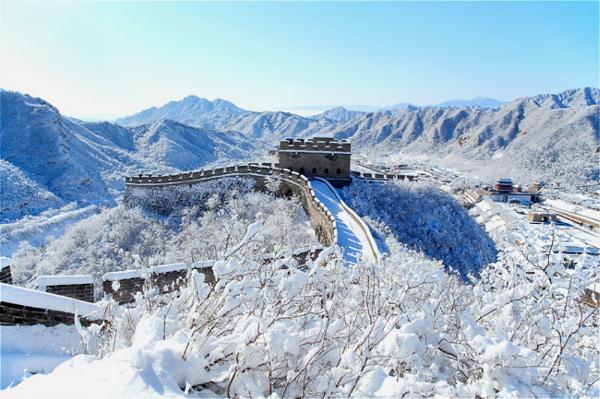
(500, 217)
(402, 327)
(29, 350)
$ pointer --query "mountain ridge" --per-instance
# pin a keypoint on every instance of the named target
(548, 136)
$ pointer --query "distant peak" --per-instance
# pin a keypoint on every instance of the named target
(193, 99)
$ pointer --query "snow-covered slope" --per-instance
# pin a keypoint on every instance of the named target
(22, 196)
(49, 160)
(62, 156)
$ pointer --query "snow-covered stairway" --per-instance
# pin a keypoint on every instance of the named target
(354, 236)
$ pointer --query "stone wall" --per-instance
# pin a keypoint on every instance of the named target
(384, 176)
(124, 290)
(83, 292)
(20, 305)
(330, 166)
(73, 286)
(15, 314)
(5, 275)
(124, 286)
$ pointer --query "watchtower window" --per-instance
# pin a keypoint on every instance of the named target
(338, 171)
(302, 170)
(326, 171)
(314, 170)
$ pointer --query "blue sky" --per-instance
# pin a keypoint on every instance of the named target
(110, 59)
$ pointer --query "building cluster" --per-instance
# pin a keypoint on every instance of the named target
(505, 191)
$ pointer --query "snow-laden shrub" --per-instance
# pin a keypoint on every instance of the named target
(426, 219)
(403, 327)
(121, 238)
(400, 328)
(323, 330)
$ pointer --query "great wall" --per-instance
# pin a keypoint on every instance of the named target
(307, 170)
(325, 161)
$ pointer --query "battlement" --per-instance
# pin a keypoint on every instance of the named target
(316, 144)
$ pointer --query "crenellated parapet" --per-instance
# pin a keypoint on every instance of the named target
(316, 144)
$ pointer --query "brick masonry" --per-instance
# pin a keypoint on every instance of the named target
(5, 275)
(14, 314)
(320, 157)
(125, 290)
(84, 292)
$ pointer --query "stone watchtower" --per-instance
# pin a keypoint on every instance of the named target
(317, 157)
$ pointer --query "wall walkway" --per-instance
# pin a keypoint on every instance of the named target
(354, 236)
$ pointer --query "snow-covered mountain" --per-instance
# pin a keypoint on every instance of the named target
(551, 136)
(59, 154)
(20, 195)
(183, 147)
(49, 160)
(191, 110)
(225, 116)
(272, 126)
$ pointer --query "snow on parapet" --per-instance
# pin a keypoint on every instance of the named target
(172, 267)
(44, 281)
(123, 275)
(43, 300)
(4, 261)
